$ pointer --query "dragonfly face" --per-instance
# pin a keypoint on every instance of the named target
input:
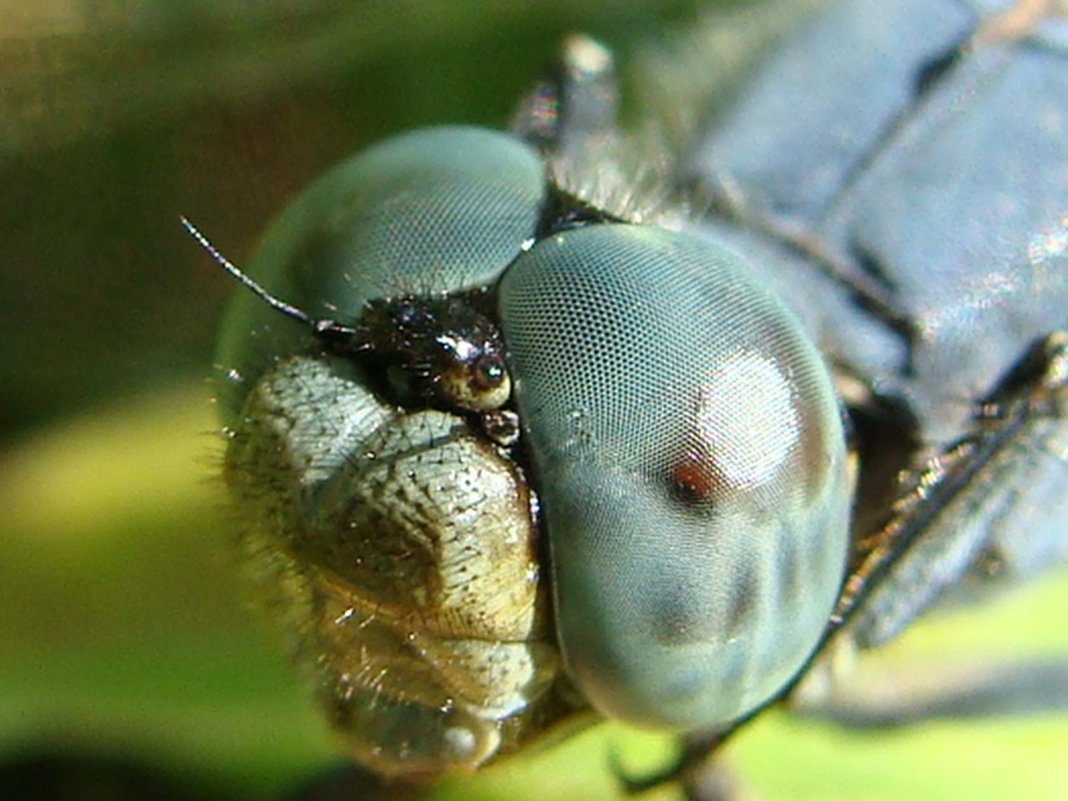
(676, 478)
(517, 458)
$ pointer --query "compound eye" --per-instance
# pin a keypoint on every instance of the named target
(423, 214)
(691, 468)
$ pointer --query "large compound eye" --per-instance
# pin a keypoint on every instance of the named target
(423, 214)
(691, 466)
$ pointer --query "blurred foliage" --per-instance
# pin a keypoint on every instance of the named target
(126, 654)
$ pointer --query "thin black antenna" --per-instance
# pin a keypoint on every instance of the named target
(288, 309)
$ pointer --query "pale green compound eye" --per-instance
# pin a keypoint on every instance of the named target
(428, 212)
(689, 456)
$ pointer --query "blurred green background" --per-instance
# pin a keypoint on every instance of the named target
(123, 635)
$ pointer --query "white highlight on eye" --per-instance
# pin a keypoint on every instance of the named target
(746, 414)
(1048, 245)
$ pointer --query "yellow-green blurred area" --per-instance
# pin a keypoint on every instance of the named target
(125, 643)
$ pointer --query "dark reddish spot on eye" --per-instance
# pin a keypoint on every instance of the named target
(694, 477)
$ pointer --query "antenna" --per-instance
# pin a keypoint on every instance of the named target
(319, 326)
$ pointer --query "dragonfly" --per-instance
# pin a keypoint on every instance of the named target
(518, 442)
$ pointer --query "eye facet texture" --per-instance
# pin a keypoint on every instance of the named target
(428, 212)
(686, 456)
(690, 461)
